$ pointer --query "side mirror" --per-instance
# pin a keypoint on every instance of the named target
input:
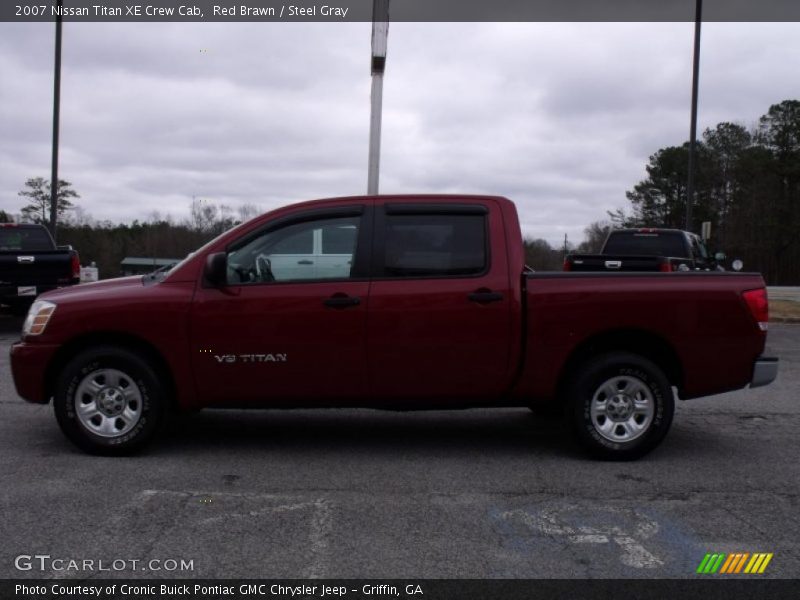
(216, 269)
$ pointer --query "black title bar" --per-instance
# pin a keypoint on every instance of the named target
(399, 10)
(731, 588)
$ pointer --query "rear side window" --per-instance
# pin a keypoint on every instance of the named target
(23, 238)
(646, 243)
(434, 245)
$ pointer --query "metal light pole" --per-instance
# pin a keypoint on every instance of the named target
(693, 128)
(380, 33)
(56, 110)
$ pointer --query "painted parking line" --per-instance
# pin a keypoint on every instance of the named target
(630, 539)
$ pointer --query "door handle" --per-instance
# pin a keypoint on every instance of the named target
(305, 262)
(342, 301)
(485, 296)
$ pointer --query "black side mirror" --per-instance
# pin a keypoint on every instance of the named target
(216, 269)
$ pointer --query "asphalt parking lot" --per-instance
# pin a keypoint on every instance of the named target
(361, 493)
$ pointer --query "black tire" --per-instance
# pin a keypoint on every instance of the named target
(123, 399)
(629, 423)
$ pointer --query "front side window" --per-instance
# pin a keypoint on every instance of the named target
(434, 245)
(317, 249)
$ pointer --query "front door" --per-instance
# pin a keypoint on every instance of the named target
(290, 326)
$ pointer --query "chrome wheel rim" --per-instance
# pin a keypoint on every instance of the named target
(622, 408)
(108, 403)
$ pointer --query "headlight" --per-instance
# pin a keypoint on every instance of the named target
(38, 317)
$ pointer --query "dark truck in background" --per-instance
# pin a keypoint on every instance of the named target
(394, 302)
(31, 263)
(647, 249)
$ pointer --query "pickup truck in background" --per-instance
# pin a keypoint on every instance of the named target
(646, 249)
(394, 302)
(30, 263)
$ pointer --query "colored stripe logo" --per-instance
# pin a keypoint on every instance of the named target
(736, 563)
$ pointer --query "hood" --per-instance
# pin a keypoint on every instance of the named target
(105, 288)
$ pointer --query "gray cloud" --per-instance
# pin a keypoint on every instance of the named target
(559, 117)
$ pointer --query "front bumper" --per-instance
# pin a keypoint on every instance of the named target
(765, 370)
(28, 365)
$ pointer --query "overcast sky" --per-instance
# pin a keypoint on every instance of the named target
(561, 118)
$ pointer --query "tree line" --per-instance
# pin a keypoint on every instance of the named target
(747, 184)
(106, 244)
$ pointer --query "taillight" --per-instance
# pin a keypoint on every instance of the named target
(665, 267)
(759, 306)
(567, 265)
(76, 266)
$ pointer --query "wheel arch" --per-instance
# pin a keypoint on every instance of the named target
(124, 341)
(643, 343)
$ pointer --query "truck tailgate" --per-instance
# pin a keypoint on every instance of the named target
(601, 262)
(39, 267)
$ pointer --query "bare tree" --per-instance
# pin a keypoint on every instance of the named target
(594, 237)
(38, 192)
(247, 212)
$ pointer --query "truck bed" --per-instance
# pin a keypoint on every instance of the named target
(688, 320)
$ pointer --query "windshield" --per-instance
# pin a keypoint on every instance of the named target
(24, 238)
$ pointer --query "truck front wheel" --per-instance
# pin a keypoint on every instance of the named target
(621, 406)
(108, 401)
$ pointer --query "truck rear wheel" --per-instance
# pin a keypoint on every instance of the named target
(621, 406)
(108, 401)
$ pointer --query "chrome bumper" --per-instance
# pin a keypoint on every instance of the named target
(765, 370)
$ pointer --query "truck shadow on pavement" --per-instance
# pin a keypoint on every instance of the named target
(506, 431)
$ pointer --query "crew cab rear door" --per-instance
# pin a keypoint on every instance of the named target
(290, 325)
(440, 303)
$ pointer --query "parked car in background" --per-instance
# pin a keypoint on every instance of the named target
(647, 249)
(31, 263)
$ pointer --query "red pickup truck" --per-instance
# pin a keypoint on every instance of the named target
(389, 302)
